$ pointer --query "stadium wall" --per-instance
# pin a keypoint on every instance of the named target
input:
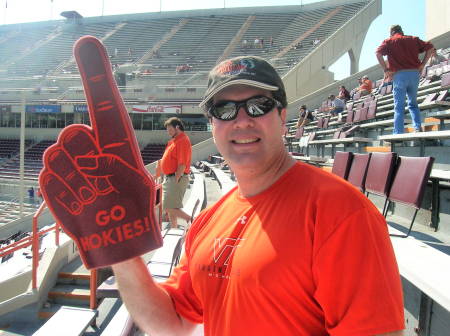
(437, 16)
(312, 72)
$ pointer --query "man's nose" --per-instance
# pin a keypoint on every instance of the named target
(242, 118)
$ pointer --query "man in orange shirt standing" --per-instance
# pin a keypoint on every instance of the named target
(175, 165)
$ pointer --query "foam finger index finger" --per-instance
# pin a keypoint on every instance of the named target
(109, 118)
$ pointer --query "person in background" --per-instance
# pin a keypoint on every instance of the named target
(366, 86)
(343, 94)
(337, 105)
(405, 67)
(175, 165)
(304, 117)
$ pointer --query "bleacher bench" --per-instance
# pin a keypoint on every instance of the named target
(67, 321)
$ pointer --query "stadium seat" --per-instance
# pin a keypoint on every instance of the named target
(445, 81)
(358, 170)
(379, 174)
(342, 163)
(372, 111)
(409, 183)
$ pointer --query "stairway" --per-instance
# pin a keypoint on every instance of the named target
(71, 289)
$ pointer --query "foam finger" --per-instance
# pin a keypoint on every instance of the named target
(58, 196)
(61, 164)
(77, 140)
(109, 118)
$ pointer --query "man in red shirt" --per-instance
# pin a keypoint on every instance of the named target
(279, 254)
(175, 165)
(402, 53)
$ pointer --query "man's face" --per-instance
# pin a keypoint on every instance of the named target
(172, 131)
(251, 144)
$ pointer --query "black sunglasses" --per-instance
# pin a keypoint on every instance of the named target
(254, 106)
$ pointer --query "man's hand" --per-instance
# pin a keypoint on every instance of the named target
(94, 180)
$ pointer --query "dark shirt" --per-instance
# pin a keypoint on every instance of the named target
(403, 51)
(308, 115)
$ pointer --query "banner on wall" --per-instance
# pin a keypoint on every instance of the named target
(156, 109)
(43, 108)
(5, 108)
(80, 108)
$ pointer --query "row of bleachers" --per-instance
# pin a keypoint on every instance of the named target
(199, 42)
(10, 147)
(10, 211)
(32, 162)
(152, 152)
(375, 113)
(10, 169)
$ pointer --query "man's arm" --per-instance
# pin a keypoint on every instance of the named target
(383, 64)
(158, 169)
(428, 54)
(180, 171)
(149, 304)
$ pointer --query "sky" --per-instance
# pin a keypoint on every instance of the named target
(410, 14)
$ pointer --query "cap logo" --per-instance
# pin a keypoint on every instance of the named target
(236, 67)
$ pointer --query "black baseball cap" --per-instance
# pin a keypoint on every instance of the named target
(245, 70)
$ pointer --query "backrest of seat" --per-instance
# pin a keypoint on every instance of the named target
(410, 179)
(380, 172)
(311, 136)
(357, 95)
(442, 95)
(349, 107)
(350, 131)
(320, 122)
(341, 164)
(389, 89)
(337, 133)
(325, 122)
(372, 112)
(445, 81)
(430, 97)
(358, 170)
(383, 90)
(350, 116)
(360, 114)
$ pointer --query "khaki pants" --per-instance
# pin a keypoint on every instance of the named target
(173, 191)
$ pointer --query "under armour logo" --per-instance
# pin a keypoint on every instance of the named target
(242, 220)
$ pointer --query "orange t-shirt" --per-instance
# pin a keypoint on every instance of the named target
(310, 255)
(178, 151)
(366, 85)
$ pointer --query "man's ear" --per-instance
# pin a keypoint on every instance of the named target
(283, 114)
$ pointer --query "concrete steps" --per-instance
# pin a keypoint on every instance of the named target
(71, 289)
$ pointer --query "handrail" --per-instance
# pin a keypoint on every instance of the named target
(93, 289)
(35, 247)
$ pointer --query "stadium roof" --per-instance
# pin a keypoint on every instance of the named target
(71, 15)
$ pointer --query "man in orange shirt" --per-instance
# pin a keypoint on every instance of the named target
(366, 86)
(175, 165)
(279, 254)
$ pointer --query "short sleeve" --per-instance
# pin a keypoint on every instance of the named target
(179, 287)
(382, 49)
(357, 279)
(183, 152)
(424, 46)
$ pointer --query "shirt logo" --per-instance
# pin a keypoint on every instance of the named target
(224, 248)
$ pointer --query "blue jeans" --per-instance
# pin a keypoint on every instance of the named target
(406, 83)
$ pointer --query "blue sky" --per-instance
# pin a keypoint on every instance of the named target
(410, 14)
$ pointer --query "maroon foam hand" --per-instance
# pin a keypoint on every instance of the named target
(94, 180)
